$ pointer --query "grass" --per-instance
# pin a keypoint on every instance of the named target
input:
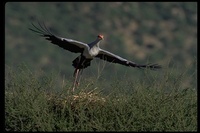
(31, 105)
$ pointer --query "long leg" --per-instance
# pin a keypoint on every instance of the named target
(79, 77)
(76, 73)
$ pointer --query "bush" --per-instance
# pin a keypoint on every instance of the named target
(30, 105)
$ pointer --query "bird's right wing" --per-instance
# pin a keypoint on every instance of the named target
(68, 44)
(110, 57)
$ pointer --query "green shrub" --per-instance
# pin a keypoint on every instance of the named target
(31, 105)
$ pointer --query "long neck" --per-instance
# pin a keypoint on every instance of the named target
(96, 42)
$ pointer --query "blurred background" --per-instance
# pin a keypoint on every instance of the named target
(143, 32)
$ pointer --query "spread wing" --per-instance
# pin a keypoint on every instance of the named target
(110, 57)
(67, 44)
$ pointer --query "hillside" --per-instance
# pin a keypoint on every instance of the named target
(157, 32)
(110, 97)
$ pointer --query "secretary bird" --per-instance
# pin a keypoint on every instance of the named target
(87, 52)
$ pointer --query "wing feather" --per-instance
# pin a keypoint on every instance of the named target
(67, 44)
(110, 57)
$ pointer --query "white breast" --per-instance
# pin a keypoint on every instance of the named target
(90, 53)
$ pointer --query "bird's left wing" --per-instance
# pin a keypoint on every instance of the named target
(110, 57)
(68, 44)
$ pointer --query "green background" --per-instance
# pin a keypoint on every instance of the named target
(143, 32)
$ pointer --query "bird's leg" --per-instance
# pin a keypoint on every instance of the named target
(79, 77)
(76, 73)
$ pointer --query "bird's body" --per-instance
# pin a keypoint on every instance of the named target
(91, 52)
(87, 55)
(87, 52)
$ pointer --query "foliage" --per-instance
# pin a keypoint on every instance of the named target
(31, 104)
(111, 97)
(170, 28)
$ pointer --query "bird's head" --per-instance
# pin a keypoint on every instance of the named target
(100, 37)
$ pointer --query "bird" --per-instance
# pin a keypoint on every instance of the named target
(88, 51)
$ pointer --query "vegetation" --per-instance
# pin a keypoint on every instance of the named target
(33, 104)
(38, 74)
